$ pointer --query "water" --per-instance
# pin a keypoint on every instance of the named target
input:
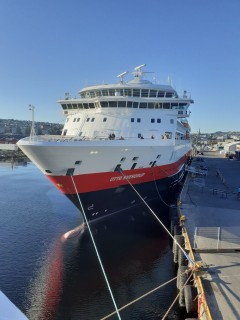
(48, 277)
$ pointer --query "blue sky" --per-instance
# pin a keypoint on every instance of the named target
(49, 47)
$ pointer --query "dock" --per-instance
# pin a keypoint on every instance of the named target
(210, 208)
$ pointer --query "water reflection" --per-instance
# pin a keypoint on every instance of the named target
(70, 284)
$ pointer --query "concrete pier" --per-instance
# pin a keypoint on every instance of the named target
(210, 203)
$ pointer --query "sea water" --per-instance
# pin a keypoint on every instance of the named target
(49, 277)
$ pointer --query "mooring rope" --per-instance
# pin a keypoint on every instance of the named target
(174, 301)
(139, 298)
(154, 214)
(95, 247)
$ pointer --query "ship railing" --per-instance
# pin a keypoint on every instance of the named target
(55, 138)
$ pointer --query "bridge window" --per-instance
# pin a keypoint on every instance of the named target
(144, 93)
(152, 93)
(143, 105)
(129, 104)
(127, 92)
(161, 94)
(136, 93)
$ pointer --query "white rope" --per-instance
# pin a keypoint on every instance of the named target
(154, 214)
(174, 301)
(95, 247)
(139, 298)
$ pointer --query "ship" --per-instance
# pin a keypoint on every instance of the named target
(122, 146)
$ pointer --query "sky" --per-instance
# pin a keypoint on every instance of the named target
(49, 47)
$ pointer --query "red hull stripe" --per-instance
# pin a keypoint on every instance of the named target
(107, 180)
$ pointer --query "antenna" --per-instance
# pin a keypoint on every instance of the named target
(122, 75)
(140, 67)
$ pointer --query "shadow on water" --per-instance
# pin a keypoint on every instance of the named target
(137, 258)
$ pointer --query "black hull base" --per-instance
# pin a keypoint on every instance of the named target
(124, 200)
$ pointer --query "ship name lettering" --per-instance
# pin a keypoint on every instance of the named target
(132, 176)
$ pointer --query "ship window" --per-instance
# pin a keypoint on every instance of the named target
(78, 162)
(132, 119)
(136, 92)
(135, 104)
(78, 119)
(65, 112)
(121, 104)
(80, 106)
(91, 105)
(118, 167)
(127, 92)
(171, 121)
(151, 105)
(69, 106)
(161, 94)
(123, 159)
(150, 163)
(174, 105)
(152, 120)
(169, 94)
(180, 112)
(158, 120)
(166, 105)
(92, 119)
(129, 104)
(64, 106)
(153, 164)
(88, 119)
(104, 119)
(112, 92)
(138, 119)
(134, 165)
(158, 156)
(143, 105)
(112, 104)
(74, 119)
(104, 104)
(144, 93)
(139, 135)
(153, 93)
(85, 105)
(75, 106)
(65, 132)
(104, 92)
(48, 171)
(135, 158)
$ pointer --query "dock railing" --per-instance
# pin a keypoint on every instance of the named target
(208, 239)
